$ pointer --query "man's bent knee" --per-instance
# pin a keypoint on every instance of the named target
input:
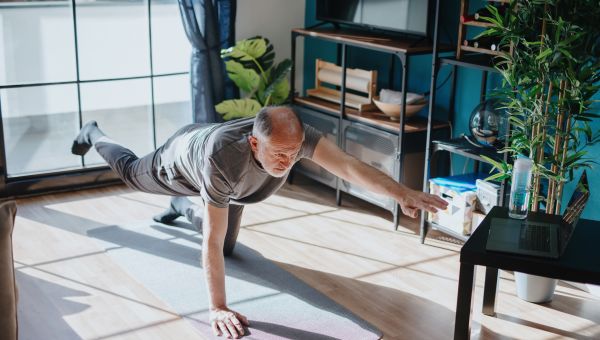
(228, 249)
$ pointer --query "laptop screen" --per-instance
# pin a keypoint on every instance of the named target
(537, 238)
(578, 200)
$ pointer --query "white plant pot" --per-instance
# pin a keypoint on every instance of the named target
(536, 289)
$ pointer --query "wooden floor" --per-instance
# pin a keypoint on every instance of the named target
(70, 287)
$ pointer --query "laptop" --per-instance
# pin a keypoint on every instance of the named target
(539, 235)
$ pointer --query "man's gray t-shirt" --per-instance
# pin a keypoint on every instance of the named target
(217, 160)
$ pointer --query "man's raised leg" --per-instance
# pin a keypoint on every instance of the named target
(138, 173)
(87, 137)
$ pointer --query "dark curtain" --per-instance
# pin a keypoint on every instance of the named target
(209, 26)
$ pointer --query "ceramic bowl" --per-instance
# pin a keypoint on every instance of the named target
(392, 110)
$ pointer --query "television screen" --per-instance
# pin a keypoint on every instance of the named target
(408, 16)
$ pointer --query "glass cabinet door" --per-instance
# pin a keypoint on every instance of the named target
(376, 148)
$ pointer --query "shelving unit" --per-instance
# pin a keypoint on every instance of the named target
(458, 146)
(464, 12)
(369, 135)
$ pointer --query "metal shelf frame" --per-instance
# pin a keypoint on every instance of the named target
(480, 62)
(402, 55)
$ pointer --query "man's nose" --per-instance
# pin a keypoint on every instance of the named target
(284, 162)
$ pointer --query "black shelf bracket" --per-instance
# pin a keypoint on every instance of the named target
(432, 94)
(458, 146)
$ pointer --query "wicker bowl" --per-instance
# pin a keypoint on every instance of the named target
(392, 110)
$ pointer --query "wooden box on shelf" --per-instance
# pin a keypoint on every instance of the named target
(362, 81)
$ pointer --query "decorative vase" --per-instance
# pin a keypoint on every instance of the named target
(536, 289)
(488, 124)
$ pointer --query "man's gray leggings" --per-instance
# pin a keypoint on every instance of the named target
(147, 175)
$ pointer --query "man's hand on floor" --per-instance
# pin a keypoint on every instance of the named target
(227, 322)
(414, 200)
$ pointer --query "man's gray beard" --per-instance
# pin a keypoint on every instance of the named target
(281, 174)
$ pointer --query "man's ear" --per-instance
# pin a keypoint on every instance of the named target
(253, 143)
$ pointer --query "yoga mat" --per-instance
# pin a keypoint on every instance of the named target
(166, 260)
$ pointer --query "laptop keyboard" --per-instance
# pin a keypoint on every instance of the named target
(535, 237)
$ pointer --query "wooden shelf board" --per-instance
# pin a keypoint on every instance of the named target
(373, 40)
(355, 101)
(481, 50)
(477, 23)
(371, 117)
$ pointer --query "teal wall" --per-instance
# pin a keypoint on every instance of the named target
(467, 85)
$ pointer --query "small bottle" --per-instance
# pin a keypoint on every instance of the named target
(518, 205)
(483, 42)
(466, 18)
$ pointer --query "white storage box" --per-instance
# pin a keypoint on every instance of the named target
(461, 195)
(488, 195)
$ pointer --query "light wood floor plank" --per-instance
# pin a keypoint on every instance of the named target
(69, 286)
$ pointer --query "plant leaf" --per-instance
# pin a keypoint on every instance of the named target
(544, 54)
(246, 50)
(238, 108)
(281, 91)
(279, 87)
(260, 63)
(497, 176)
(246, 79)
(495, 164)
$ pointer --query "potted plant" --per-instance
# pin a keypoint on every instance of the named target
(549, 78)
(250, 65)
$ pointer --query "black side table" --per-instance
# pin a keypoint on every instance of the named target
(580, 263)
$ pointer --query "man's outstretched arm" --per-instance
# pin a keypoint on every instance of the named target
(214, 228)
(341, 164)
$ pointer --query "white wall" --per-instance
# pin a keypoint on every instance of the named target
(273, 19)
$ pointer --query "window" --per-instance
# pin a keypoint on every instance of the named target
(122, 63)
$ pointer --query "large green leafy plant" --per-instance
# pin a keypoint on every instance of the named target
(549, 81)
(250, 65)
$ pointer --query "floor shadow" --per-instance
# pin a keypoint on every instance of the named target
(283, 332)
(579, 306)
(405, 317)
(487, 334)
(306, 189)
(413, 310)
(47, 302)
(559, 332)
(245, 264)
(248, 265)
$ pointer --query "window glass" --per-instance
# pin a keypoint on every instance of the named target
(123, 111)
(172, 105)
(170, 48)
(112, 38)
(39, 125)
(37, 44)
